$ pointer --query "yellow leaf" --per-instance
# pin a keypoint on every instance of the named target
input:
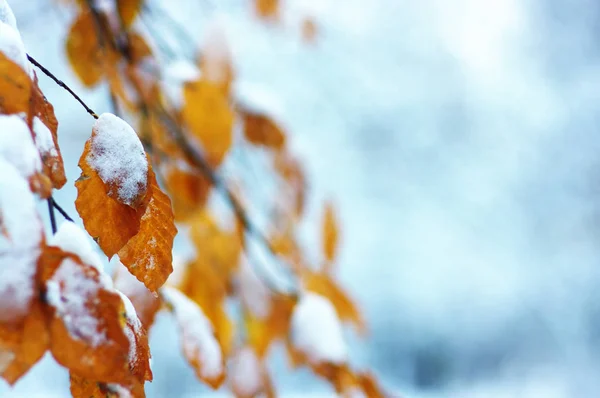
(83, 50)
(209, 116)
(330, 233)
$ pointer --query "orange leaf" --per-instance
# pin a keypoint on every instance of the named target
(263, 332)
(267, 9)
(23, 346)
(188, 189)
(83, 50)
(148, 255)
(322, 284)
(200, 346)
(330, 233)
(128, 10)
(145, 302)
(15, 87)
(86, 335)
(209, 116)
(139, 351)
(261, 130)
(215, 58)
(45, 127)
(84, 388)
(295, 189)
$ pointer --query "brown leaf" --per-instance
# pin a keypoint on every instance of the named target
(23, 346)
(261, 130)
(148, 255)
(128, 10)
(86, 334)
(267, 9)
(15, 87)
(209, 116)
(188, 189)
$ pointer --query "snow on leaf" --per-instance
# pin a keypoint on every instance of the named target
(330, 233)
(322, 283)
(117, 155)
(12, 46)
(247, 376)
(262, 332)
(21, 237)
(148, 255)
(45, 129)
(15, 87)
(198, 341)
(72, 239)
(209, 116)
(215, 57)
(255, 295)
(86, 334)
(317, 331)
(139, 351)
(6, 15)
(145, 302)
(175, 75)
(18, 148)
(23, 345)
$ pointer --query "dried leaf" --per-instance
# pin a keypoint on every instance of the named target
(261, 130)
(84, 52)
(267, 9)
(111, 223)
(148, 255)
(330, 233)
(209, 116)
(86, 334)
(200, 346)
(128, 10)
(45, 128)
(15, 87)
(188, 189)
(23, 346)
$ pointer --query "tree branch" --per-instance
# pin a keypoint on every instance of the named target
(61, 84)
(61, 210)
(52, 216)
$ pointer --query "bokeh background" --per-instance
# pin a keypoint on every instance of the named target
(459, 142)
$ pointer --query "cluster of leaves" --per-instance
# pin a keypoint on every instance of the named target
(55, 295)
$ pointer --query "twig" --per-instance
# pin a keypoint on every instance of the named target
(61, 210)
(52, 216)
(61, 84)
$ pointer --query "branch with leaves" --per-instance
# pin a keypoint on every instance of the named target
(160, 163)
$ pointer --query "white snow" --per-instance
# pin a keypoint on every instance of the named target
(197, 334)
(216, 51)
(245, 373)
(258, 98)
(134, 321)
(175, 75)
(71, 238)
(317, 330)
(69, 291)
(20, 238)
(255, 295)
(117, 155)
(12, 46)
(43, 138)
(7, 16)
(17, 146)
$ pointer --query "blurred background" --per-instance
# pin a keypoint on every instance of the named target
(459, 143)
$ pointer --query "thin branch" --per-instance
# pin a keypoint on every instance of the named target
(52, 216)
(61, 84)
(61, 210)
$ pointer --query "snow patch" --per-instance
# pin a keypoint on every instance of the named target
(17, 146)
(245, 374)
(317, 331)
(72, 239)
(117, 155)
(134, 321)
(197, 333)
(176, 74)
(255, 295)
(7, 16)
(43, 138)
(20, 238)
(12, 46)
